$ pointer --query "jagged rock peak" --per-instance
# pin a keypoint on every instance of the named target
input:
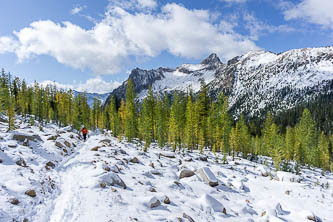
(212, 59)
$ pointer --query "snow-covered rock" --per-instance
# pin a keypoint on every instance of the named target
(207, 176)
(287, 177)
(207, 201)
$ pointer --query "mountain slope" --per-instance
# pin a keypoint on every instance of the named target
(255, 82)
(104, 179)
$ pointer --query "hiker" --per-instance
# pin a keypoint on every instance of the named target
(84, 132)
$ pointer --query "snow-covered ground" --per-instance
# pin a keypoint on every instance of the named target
(107, 180)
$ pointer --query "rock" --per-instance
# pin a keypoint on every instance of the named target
(102, 184)
(313, 217)
(106, 167)
(151, 164)
(134, 160)
(12, 144)
(203, 158)
(287, 192)
(152, 189)
(287, 177)
(112, 179)
(67, 143)
(156, 172)
(113, 189)
(71, 136)
(154, 202)
(59, 145)
(95, 148)
(22, 136)
(0, 160)
(188, 217)
(105, 141)
(168, 154)
(122, 151)
(65, 151)
(208, 201)
(14, 201)
(188, 159)
(186, 173)
(50, 164)
(21, 162)
(166, 200)
(263, 171)
(207, 176)
(30, 193)
(26, 142)
(25, 220)
(53, 137)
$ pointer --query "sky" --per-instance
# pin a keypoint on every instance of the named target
(93, 45)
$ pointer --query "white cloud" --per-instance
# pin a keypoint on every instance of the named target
(123, 34)
(313, 11)
(95, 85)
(77, 9)
(147, 3)
(7, 44)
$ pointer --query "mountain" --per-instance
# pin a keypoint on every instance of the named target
(255, 82)
(91, 96)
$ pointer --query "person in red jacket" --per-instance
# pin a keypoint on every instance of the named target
(84, 132)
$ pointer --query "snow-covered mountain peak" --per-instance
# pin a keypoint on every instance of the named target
(211, 59)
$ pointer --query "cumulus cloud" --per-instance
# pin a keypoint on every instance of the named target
(95, 85)
(7, 44)
(124, 34)
(313, 11)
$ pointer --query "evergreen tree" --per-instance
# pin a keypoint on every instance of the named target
(130, 129)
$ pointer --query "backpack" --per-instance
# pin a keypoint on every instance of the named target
(84, 131)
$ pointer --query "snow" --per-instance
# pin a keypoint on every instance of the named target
(72, 191)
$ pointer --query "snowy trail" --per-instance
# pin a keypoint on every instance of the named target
(68, 205)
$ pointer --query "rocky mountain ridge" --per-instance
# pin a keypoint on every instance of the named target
(255, 82)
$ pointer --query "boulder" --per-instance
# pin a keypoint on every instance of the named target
(203, 158)
(1, 160)
(21, 162)
(22, 136)
(313, 217)
(112, 179)
(50, 164)
(263, 171)
(106, 167)
(188, 159)
(67, 143)
(152, 189)
(122, 151)
(14, 201)
(12, 144)
(102, 184)
(95, 148)
(151, 164)
(190, 219)
(31, 193)
(54, 137)
(134, 160)
(59, 145)
(166, 200)
(207, 176)
(186, 173)
(154, 202)
(208, 201)
(155, 172)
(168, 154)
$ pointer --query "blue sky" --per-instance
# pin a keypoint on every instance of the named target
(93, 45)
